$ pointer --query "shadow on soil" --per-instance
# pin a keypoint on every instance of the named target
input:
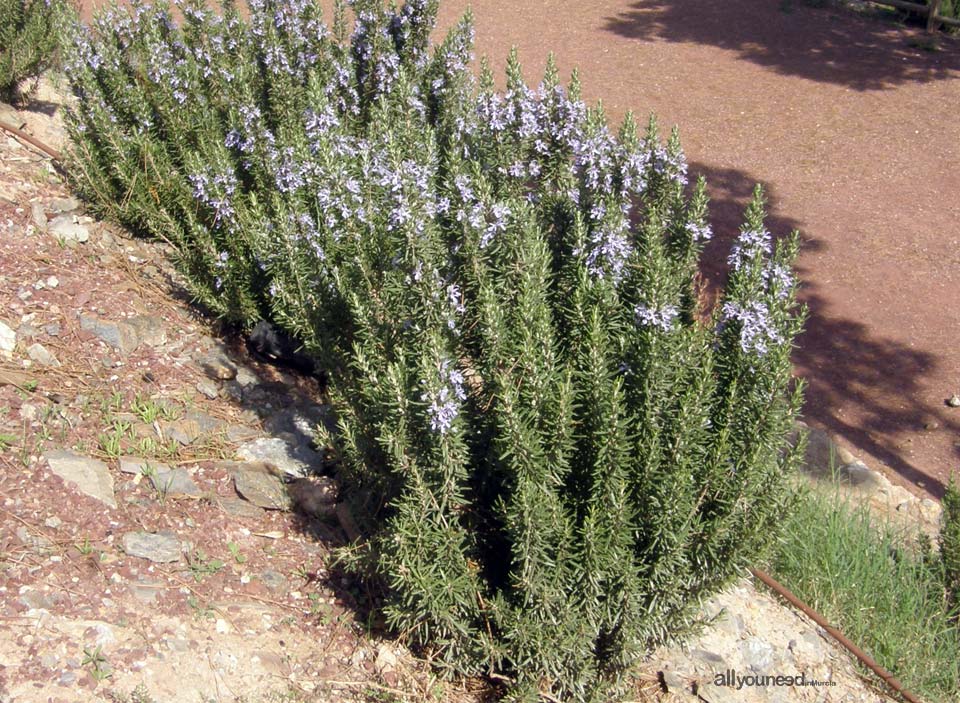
(791, 38)
(840, 359)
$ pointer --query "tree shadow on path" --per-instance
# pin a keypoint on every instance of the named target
(829, 46)
(878, 380)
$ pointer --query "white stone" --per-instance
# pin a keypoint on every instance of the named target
(8, 340)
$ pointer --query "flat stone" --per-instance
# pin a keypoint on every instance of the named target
(274, 580)
(89, 476)
(150, 329)
(299, 420)
(8, 339)
(208, 388)
(863, 477)
(38, 600)
(53, 329)
(240, 433)
(175, 483)
(757, 654)
(39, 216)
(217, 365)
(42, 355)
(137, 464)
(60, 206)
(119, 335)
(255, 484)
(27, 331)
(36, 542)
(239, 508)
(64, 227)
(297, 460)
(160, 547)
(184, 432)
(246, 377)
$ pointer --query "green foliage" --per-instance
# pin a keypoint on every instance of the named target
(553, 448)
(867, 579)
(950, 544)
(28, 41)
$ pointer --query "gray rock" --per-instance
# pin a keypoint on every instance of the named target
(217, 365)
(38, 216)
(711, 659)
(240, 433)
(67, 678)
(274, 580)
(42, 355)
(190, 428)
(208, 388)
(256, 484)
(297, 460)
(150, 329)
(122, 336)
(175, 483)
(757, 654)
(27, 331)
(238, 507)
(64, 227)
(8, 339)
(160, 547)
(89, 476)
(60, 206)
(53, 522)
(246, 377)
(139, 465)
(38, 543)
(299, 420)
(863, 478)
(233, 391)
(38, 599)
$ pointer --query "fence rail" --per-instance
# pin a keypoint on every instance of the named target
(929, 10)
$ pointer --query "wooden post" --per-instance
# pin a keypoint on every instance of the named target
(933, 16)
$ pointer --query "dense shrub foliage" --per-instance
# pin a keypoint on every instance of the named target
(950, 546)
(28, 41)
(552, 447)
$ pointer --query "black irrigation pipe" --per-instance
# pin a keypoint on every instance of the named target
(864, 658)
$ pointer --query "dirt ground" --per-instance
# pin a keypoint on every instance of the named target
(851, 124)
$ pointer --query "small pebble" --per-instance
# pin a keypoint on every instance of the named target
(954, 401)
(53, 282)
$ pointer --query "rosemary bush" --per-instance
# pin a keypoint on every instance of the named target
(552, 446)
(28, 41)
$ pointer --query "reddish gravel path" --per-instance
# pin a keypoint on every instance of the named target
(856, 136)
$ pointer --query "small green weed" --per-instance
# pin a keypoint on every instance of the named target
(202, 566)
(235, 552)
(100, 667)
(6, 441)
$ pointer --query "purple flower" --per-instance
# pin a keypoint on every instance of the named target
(749, 244)
(662, 318)
(778, 278)
(699, 232)
(757, 330)
(444, 403)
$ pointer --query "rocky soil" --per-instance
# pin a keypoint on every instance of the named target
(155, 544)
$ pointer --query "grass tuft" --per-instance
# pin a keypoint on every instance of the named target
(865, 578)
